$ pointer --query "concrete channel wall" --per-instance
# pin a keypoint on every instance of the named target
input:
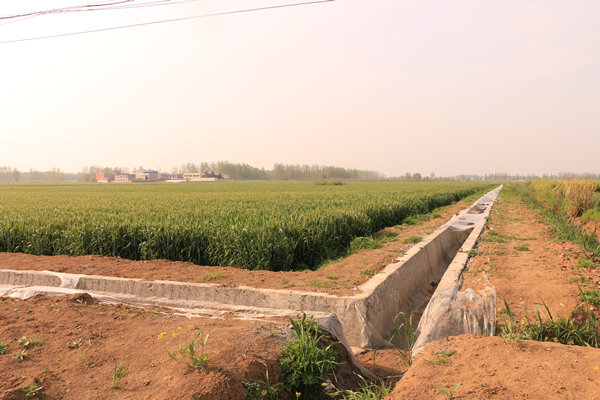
(366, 318)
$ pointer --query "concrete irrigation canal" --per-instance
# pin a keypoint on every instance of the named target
(425, 282)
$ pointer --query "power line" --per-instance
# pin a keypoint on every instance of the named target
(169, 20)
(67, 9)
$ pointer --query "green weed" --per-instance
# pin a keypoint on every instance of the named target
(33, 390)
(26, 342)
(367, 391)
(305, 362)
(198, 360)
(369, 272)
(443, 358)
(119, 373)
(412, 239)
(472, 253)
(75, 344)
(405, 332)
(522, 247)
(450, 393)
(591, 297)
(261, 390)
(585, 263)
(559, 330)
(210, 276)
(580, 280)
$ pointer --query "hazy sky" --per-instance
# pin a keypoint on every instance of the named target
(449, 87)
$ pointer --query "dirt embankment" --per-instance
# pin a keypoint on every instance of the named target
(490, 368)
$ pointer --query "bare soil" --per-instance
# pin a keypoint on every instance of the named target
(82, 340)
(492, 367)
(242, 350)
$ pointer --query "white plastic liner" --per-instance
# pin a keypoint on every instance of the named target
(454, 313)
(69, 281)
(451, 312)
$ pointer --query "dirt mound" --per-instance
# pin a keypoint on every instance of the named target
(492, 367)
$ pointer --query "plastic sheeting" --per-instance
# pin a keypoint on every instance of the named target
(473, 217)
(452, 312)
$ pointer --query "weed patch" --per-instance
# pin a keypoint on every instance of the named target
(405, 332)
(591, 297)
(559, 330)
(305, 362)
(179, 354)
(412, 239)
(522, 247)
(368, 391)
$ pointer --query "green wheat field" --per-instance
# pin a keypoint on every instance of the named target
(252, 225)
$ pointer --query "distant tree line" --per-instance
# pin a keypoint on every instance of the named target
(234, 170)
(279, 172)
(9, 174)
(502, 176)
(317, 172)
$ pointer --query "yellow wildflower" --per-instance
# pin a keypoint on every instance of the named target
(178, 328)
(597, 367)
(174, 335)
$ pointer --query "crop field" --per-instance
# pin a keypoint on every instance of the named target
(253, 225)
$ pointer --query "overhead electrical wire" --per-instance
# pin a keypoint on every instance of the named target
(66, 9)
(161, 21)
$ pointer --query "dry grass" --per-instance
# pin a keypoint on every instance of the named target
(579, 196)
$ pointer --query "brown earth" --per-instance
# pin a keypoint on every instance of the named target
(239, 350)
(82, 340)
(340, 278)
(485, 367)
(493, 367)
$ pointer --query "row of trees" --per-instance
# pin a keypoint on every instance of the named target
(503, 176)
(9, 174)
(317, 172)
(279, 172)
(235, 171)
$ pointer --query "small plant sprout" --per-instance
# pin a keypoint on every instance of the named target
(195, 350)
(369, 272)
(255, 390)
(119, 373)
(75, 344)
(406, 335)
(412, 240)
(20, 355)
(522, 247)
(450, 393)
(443, 358)
(33, 390)
(3, 347)
(26, 342)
